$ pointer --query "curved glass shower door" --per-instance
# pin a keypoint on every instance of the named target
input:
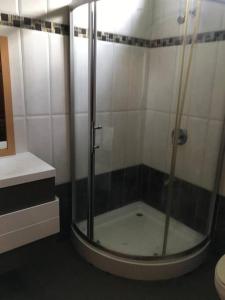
(133, 185)
(196, 155)
(80, 117)
(147, 133)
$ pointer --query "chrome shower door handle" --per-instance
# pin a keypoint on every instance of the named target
(98, 127)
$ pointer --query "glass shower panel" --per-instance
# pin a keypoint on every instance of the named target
(105, 134)
(144, 185)
(134, 98)
(81, 133)
(111, 114)
(192, 195)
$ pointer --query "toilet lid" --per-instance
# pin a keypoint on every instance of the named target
(220, 270)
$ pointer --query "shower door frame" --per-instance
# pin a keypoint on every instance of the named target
(92, 49)
(92, 39)
(92, 42)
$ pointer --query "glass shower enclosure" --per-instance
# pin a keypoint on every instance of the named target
(147, 118)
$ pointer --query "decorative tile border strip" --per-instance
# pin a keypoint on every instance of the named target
(113, 38)
(81, 32)
(33, 24)
(51, 27)
(205, 37)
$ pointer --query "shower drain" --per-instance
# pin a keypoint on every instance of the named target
(139, 215)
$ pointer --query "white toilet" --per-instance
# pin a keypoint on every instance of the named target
(220, 278)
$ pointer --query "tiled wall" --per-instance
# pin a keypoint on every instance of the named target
(127, 17)
(205, 102)
(39, 76)
(203, 112)
(136, 88)
(137, 93)
(119, 107)
(120, 95)
(165, 13)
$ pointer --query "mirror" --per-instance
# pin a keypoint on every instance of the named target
(7, 144)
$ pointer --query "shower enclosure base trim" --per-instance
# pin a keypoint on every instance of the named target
(137, 269)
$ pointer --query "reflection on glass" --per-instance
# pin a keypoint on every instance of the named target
(3, 143)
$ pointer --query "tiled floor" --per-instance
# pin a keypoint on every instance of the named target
(138, 229)
(51, 270)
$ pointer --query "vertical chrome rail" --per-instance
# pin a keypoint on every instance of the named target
(72, 115)
(91, 117)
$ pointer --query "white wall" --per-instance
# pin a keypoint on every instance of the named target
(137, 92)
(165, 13)
(127, 17)
(205, 102)
(120, 86)
(120, 77)
(136, 89)
(203, 112)
(39, 76)
(54, 10)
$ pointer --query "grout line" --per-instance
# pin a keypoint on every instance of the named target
(145, 110)
(48, 9)
(18, 6)
(51, 100)
(46, 115)
(24, 88)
